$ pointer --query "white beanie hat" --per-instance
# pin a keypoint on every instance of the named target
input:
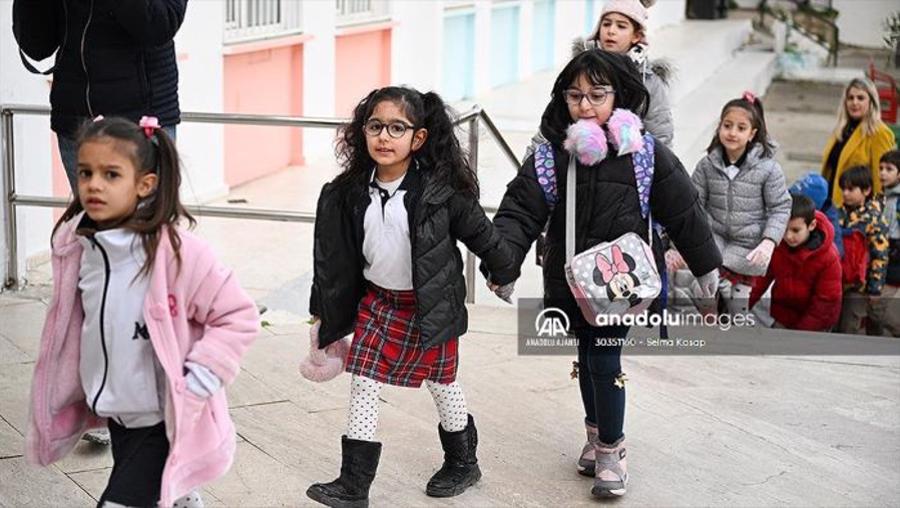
(635, 10)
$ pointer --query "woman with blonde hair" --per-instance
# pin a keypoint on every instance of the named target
(860, 138)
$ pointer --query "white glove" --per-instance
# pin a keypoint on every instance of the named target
(505, 291)
(706, 285)
(674, 261)
(201, 381)
(762, 254)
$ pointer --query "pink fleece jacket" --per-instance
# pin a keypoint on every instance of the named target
(199, 313)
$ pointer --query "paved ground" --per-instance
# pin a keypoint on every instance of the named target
(702, 430)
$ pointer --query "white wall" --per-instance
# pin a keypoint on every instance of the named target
(417, 39)
(665, 12)
(318, 78)
(32, 146)
(198, 45)
(861, 21)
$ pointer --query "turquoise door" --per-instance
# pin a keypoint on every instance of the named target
(542, 31)
(504, 44)
(459, 55)
(592, 9)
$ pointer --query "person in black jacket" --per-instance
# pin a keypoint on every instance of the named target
(113, 58)
(387, 269)
(591, 86)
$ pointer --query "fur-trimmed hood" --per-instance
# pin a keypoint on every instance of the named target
(662, 68)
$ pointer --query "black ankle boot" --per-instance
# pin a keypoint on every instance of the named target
(358, 465)
(460, 470)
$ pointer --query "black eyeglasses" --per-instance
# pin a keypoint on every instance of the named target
(395, 130)
(596, 96)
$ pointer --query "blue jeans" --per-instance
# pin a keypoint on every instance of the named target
(68, 152)
(598, 369)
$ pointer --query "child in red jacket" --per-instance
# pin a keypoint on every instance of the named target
(806, 269)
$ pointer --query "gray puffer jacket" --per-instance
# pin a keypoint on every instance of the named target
(755, 204)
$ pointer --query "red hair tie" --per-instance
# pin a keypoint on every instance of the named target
(150, 124)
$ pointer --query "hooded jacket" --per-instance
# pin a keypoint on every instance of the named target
(196, 313)
(807, 292)
(744, 210)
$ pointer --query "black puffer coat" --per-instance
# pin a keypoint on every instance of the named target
(607, 206)
(116, 58)
(439, 216)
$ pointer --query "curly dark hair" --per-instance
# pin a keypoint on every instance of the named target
(601, 68)
(441, 156)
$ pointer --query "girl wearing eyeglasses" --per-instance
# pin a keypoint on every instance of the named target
(387, 269)
(602, 87)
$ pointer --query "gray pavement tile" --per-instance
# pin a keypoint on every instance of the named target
(86, 457)
(12, 444)
(256, 479)
(9, 352)
(15, 384)
(249, 389)
(25, 485)
(22, 324)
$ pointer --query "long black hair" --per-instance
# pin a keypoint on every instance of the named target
(753, 106)
(600, 68)
(440, 156)
(149, 154)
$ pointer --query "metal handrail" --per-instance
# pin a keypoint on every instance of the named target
(797, 19)
(12, 199)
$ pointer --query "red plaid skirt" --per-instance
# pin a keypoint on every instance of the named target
(386, 344)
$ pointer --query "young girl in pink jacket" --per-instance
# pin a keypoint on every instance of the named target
(144, 329)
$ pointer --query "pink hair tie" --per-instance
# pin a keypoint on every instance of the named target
(149, 124)
(749, 97)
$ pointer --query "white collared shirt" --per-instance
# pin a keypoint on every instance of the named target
(386, 243)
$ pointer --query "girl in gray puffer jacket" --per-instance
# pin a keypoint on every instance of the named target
(743, 190)
(622, 28)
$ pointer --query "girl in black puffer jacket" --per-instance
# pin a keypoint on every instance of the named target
(387, 268)
(589, 88)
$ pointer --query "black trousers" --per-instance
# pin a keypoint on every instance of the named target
(139, 456)
(598, 368)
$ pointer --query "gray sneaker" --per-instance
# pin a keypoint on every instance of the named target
(98, 437)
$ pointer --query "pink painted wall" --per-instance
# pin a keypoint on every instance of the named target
(262, 81)
(362, 63)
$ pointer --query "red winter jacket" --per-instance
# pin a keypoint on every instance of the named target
(807, 293)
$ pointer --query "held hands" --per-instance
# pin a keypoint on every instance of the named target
(707, 284)
(674, 261)
(503, 292)
(762, 254)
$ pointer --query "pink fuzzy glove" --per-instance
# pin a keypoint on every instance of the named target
(324, 364)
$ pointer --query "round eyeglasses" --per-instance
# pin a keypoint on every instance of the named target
(597, 96)
(395, 130)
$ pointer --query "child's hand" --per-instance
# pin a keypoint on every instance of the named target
(504, 292)
(762, 254)
(201, 381)
(707, 284)
(674, 261)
